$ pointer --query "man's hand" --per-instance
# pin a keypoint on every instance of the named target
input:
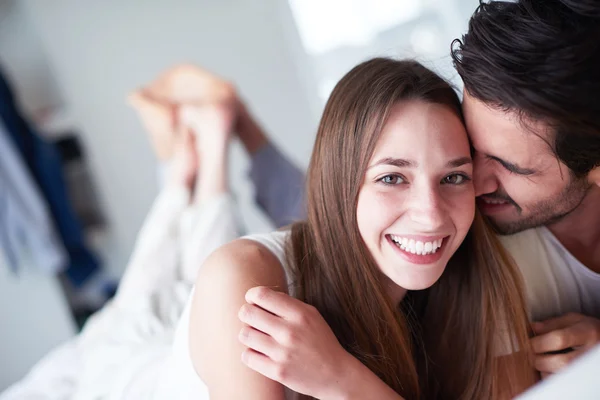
(560, 340)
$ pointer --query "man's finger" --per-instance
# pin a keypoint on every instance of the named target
(275, 302)
(552, 363)
(554, 341)
(554, 324)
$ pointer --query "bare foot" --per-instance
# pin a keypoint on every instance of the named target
(211, 125)
(183, 170)
(189, 84)
(159, 101)
(159, 121)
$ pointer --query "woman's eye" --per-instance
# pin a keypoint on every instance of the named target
(455, 179)
(392, 180)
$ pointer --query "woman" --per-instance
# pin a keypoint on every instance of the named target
(393, 256)
(124, 351)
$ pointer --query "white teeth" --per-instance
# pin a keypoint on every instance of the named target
(420, 247)
(429, 247)
(417, 247)
(493, 201)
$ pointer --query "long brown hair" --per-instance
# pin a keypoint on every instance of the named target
(441, 342)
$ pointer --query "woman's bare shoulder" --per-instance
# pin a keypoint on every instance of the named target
(219, 294)
(239, 260)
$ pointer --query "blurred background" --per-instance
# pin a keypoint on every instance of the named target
(67, 67)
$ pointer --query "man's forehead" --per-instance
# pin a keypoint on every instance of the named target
(480, 114)
(492, 126)
(506, 134)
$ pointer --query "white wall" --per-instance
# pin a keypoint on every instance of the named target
(98, 51)
(23, 60)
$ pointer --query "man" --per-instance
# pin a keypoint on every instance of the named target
(531, 72)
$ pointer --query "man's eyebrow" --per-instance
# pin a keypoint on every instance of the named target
(514, 168)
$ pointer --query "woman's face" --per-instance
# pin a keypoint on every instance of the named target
(417, 201)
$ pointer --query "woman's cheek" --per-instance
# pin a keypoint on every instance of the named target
(463, 206)
(378, 209)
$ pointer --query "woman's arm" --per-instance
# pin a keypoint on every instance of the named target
(362, 383)
(290, 342)
(214, 324)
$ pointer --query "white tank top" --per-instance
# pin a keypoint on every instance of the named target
(180, 380)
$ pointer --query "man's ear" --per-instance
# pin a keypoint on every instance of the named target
(594, 176)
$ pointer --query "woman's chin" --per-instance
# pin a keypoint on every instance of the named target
(418, 280)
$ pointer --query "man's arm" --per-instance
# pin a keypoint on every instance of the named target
(278, 183)
(279, 186)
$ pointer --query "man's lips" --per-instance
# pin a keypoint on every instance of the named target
(492, 205)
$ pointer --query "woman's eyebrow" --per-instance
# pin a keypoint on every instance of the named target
(396, 162)
(402, 163)
(459, 162)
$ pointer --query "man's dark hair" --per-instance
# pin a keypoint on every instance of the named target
(540, 59)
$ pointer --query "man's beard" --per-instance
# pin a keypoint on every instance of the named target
(544, 212)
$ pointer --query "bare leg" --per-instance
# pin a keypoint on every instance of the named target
(211, 125)
(194, 213)
(130, 337)
(211, 220)
(153, 262)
